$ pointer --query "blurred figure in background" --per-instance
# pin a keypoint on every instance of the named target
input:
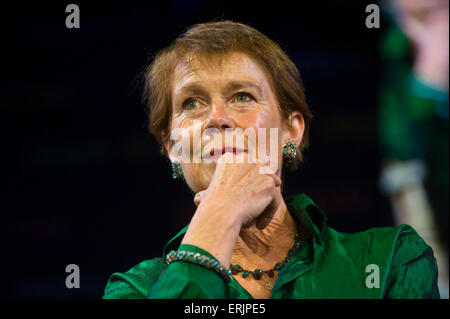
(413, 120)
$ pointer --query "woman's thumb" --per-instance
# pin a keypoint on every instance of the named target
(198, 198)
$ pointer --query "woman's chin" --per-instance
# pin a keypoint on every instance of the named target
(200, 175)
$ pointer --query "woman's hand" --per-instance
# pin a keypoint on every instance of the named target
(240, 188)
(237, 194)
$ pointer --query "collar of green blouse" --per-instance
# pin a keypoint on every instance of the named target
(303, 209)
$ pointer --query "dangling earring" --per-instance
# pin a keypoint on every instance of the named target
(177, 172)
(290, 151)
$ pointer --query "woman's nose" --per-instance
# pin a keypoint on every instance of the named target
(219, 118)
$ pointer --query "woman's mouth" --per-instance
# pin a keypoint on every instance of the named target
(224, 150)
(216, 153)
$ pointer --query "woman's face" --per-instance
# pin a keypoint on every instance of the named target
(211, 99)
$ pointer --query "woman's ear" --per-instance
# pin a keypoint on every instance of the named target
(294, 128)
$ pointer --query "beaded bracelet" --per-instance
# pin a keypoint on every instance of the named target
(198, 259)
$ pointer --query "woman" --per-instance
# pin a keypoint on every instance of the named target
(245, 240)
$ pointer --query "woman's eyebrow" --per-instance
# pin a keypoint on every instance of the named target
(192, 88)
(236, 85)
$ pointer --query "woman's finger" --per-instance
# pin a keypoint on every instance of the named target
(277, 180)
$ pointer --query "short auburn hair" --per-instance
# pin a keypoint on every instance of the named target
(214, 39)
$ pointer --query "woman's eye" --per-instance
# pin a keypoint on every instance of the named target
(244, 97)
(190, 104)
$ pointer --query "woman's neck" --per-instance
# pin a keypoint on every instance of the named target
(263, 247)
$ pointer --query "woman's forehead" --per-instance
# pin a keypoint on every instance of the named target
(234, 66)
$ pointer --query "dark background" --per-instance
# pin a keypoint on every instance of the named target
(84, 181)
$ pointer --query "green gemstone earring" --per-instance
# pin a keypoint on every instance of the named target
(177, 172)
(290, 151)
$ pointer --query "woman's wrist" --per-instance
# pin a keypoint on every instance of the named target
(205, 260)
(215, 231)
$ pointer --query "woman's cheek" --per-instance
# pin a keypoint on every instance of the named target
(182, 137)
(268, 140)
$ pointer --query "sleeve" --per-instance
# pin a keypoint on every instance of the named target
(414, 270)
(152, 279)
(120, 289)
(187, 280)
(135, 283)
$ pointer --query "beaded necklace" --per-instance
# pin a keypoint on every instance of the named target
(258, 273)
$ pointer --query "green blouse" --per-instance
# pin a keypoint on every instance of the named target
(387, 262)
